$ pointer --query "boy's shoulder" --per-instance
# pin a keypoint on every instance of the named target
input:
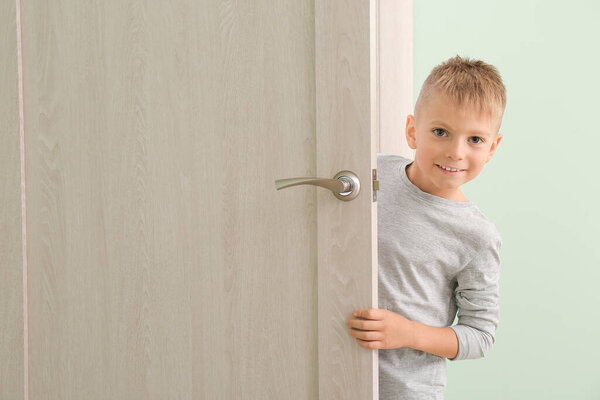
(383, 157)
(480, 228)
(486, 229)
(388, 163)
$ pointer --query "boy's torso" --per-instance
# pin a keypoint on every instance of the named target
(424, 241)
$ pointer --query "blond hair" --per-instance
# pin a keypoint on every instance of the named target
(473, 82)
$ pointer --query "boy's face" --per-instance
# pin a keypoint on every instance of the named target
(454, 136)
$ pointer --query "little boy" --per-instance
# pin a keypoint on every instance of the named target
(438, 253)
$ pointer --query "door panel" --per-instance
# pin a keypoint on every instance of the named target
(162, 261)
(11, 256)
(347, 117)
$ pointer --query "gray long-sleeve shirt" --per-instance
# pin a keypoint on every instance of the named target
(436, 256)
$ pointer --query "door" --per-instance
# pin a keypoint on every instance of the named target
(161, 260)
(11, 271)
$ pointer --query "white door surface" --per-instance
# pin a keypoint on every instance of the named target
(161, 262)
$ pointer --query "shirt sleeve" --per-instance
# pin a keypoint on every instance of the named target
(477, 298)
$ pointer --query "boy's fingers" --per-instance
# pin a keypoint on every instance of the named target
(370, 313)
(365, 335)
(365, 325)
(369, 344)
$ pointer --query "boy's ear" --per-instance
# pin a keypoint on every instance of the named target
(495, 144)
(411, 130)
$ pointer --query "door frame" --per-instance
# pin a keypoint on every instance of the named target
(395, 74)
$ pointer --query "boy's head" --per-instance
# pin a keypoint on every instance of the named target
(455, 125)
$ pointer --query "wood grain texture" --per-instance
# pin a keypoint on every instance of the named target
(347, 125)
(11, 256)
(163, 263)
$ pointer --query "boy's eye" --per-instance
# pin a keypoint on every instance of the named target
(439, 132)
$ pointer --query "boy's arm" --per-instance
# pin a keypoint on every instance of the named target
(441, 342)
(477, 300)
(378, 328)
(476, 296)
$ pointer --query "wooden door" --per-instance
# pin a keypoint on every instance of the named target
(161, 262)
(11, 269)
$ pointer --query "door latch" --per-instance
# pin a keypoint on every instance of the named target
(375, 185)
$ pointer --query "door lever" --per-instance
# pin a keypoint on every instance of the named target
(344, 185)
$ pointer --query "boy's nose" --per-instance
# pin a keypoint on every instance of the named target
(456, 151)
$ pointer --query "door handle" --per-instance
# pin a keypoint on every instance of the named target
(344, 185)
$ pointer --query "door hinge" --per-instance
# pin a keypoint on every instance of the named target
(375, 185)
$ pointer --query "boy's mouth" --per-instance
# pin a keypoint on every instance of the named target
(449, 169)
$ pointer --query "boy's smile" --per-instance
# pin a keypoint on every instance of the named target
(452, 144)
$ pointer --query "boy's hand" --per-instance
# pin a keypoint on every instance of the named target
(381, 329)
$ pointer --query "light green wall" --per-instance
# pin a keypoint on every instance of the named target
(541, 189)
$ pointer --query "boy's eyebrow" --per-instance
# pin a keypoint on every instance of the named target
(474, 132)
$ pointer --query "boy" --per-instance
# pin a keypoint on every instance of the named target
(438, 253)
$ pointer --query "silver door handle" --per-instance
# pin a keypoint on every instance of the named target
(344, 185)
